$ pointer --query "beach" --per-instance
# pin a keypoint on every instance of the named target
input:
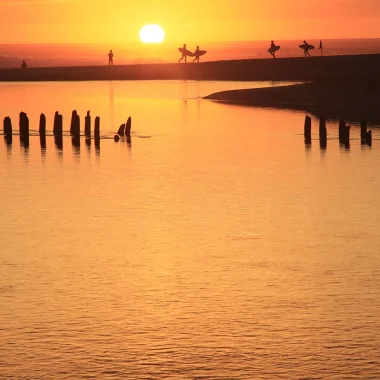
(279, 69)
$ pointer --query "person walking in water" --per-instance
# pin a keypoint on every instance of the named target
(196, 54)
(306, 49)
(321, 47)
(183, 53)
(110, 58)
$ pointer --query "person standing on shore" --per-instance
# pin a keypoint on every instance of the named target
(110, 58)
(321, 47)
(23, 65)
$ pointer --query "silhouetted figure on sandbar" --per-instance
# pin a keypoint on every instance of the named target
(306, 49)
(321, 47)
(196, 54)
(23, 65)
(272, 49)
(110, 58)
(183, 53)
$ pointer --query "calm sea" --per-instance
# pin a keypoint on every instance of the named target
(215, 246)
(96, 54)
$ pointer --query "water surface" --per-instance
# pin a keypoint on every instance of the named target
(216, 246)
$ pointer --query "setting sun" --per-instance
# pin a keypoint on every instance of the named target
(152, 34)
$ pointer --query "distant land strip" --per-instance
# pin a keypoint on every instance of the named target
(355, 99)
(280, 69)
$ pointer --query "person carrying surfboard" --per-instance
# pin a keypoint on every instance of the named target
(196, 54)
(183, 53)
(272, 49)
(306, 49)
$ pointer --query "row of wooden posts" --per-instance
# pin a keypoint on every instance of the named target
(124, 130)
(57, 128)
(344, 132)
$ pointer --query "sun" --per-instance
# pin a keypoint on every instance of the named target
(152, 34)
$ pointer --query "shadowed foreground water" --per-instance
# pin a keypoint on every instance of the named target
(215, 247)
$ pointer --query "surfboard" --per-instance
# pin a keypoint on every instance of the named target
(199, 53)
(308, 47)
(186, 52)
(273, 49)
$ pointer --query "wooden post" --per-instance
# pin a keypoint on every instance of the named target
(58, 136)
(322, 132)
(307, 130)
(342, 126)
(42, 130)
(363, 131)
(87, 125)
(55, 126)
(369, 138)
(75, 124)
(24, 129)
(21, 128)
(121, 130)
(97, 131)
(8, 130)
(347, 136)
(128, 127)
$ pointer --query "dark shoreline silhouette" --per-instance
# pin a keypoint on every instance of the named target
(297, 69)
(356, 100)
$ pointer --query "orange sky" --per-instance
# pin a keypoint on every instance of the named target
(38, 21)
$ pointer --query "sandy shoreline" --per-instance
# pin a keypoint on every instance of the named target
(280, 69)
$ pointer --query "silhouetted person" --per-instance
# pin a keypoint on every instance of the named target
(306, 49)
(272, 47)
(321, 47)
(23, 65)
(110, 58)
(183, 53)
(196, 53)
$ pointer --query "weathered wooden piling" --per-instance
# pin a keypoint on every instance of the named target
(58, 135)
(75, 124)
(363, 131)
(342, 126)
(42, 130)
(121, 131)
(87, 125)
(8, 130)
(369, 138)
(307, 130)
(322, 132)
(346, 136)
(55, 125)
(128, 127)
(97, 131)
(24, 129)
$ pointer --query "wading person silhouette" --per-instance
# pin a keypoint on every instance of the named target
(110, 58)
(23, 65)
(196, 54)
(183, 51)
(306, 49)
(320, 47)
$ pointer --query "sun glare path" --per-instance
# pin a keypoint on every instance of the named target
(152, 34)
